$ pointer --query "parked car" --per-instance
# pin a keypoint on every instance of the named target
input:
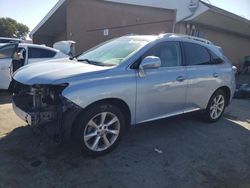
(124, 82)
(14, 55)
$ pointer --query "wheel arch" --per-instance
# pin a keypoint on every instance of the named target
(119, 103)
(227, 92)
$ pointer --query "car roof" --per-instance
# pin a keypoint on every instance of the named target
(37, 46)
(148, 38)
(2, 44)
(170, 36)
(178, 37)
(11, 39)
(31, 45)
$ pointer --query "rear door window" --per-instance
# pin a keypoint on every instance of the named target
(40, 53)
(196, 54)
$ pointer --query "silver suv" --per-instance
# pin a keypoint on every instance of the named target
(94, 97)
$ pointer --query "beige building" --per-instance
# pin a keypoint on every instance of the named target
(89, 22)
(224, 29)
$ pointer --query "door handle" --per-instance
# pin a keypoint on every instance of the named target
(216, 75)
(180, 78)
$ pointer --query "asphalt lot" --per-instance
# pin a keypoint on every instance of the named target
(191, 154)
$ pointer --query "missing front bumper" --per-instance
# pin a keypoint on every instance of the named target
(34, 118)
(21, 114)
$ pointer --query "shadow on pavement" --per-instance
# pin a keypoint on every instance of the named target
(239, 111)
(194, 154)
(5, 97)
(243, 79)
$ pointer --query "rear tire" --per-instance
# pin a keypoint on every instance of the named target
(99, 129)
(216, 106)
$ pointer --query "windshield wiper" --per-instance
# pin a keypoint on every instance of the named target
(95, 62)
(86, 60)
(74, 56)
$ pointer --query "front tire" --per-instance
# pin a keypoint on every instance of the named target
(216, 106)
(99, 129)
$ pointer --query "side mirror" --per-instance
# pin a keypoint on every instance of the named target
(235, 70)
(149, 62)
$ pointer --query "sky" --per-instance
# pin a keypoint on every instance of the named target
(31, 12)
(28, 12)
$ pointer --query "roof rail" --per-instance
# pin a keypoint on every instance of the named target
(187, 37)
(198, 39)
(130, 34)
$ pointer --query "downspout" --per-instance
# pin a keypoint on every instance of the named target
(193, 6)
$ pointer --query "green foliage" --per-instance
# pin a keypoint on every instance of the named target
(11, 28)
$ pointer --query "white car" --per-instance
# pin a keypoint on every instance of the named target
(14, 55)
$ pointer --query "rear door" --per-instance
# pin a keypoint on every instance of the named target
(6, 56)
(39, 54)
(201, 74)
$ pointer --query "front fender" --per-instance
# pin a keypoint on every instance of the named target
(121, 87)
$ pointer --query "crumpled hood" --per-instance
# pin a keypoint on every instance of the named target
(51, 71)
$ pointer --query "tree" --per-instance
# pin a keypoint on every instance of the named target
(11, 28)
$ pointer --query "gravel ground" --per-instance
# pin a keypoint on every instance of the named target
(177, 152)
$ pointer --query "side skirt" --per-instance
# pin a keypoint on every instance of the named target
(170, 115)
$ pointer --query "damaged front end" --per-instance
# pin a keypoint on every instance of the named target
(40, 105)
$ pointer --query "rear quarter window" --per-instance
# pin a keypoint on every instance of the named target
(40, 53)
(215, 59)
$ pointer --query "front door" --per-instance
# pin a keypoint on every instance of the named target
(6, 56)
(161, 92)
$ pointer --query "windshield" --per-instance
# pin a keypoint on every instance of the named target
(112, 53)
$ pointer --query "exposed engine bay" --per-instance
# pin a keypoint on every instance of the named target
(40, 105)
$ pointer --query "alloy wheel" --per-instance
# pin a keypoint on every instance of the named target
(101, 131)
(217, 107)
